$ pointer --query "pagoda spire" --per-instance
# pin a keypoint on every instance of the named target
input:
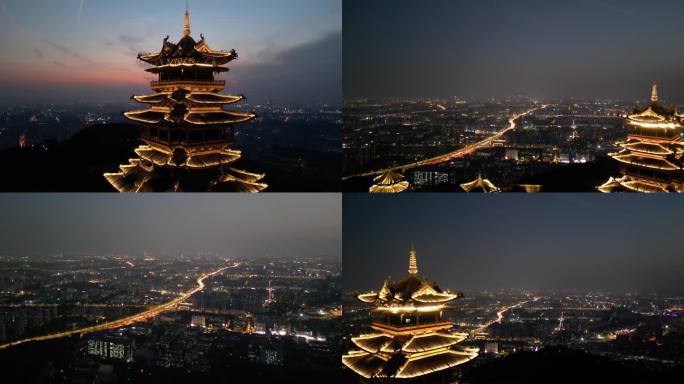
(413, 261)
(186, 21)
(654, 93)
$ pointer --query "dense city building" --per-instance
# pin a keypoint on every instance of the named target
(186, 131)
(411, 342)
(651, 157)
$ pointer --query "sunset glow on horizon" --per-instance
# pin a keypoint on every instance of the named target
(93, 43)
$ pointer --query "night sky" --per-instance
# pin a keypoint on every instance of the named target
(242, 225)
(541, 48)
(85, 50)
(467, 242)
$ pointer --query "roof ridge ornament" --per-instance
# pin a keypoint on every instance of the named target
(186, 21)
(654, 93)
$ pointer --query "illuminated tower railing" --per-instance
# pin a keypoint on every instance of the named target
(411, 342)
(186, 131)
(651, 157)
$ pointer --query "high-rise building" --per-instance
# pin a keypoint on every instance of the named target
(186, 131)
(111, 347)
(652, 157)
(411, 342)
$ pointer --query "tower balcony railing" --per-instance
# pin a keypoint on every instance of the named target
(159, 83)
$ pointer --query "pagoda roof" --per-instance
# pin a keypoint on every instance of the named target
(480, 184)
(411, 289)
(371, 365)
(132, 178)
(372, 343)
(389, 182)
(187, 51)
(432, 341)
(425, 365)
(170, 98)
(141, 176)
(194, 159)
(653, 112)
(627, 184)
(364, 364)
(243, 181)
(646, 161)
(218, 117)
(156, 115)
(646, 147)
(165, 67)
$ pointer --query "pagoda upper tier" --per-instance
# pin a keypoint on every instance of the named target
(187, 51)
(655, 115)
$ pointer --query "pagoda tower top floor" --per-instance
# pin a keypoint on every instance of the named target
(413, 293)
(187, 51)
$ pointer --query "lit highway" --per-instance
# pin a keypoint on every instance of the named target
(457, 154)
(142, 316)
(500, 316)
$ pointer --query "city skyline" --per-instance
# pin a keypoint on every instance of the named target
(544, 49)
(80, 50)
(241, 226)
(539, 242)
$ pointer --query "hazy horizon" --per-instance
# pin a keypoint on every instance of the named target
(241, 226)
(548, 49)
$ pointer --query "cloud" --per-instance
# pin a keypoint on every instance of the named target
(59, 64)
(80, 13)
(310, 72)
(39, 54)
(68, 51)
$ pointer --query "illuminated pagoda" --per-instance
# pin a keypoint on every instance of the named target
(651, 157)
(410, 343)
(389, 182)
(480, 185)
(186, 132)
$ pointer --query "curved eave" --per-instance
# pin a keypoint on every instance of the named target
(429, 342)
(435, 299)
(626, 184)
(363, 363)
(648, 148)
(247, 176)
(646, 162)
(393, 188)
(164, 67)
(654, 124)
(208, 160)
(218, 117)
(435, 362)
(372, 343)
(213, 98)
(154, 98)
(147, 116)
(243, 185)
(483, 184)
(368, 297)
